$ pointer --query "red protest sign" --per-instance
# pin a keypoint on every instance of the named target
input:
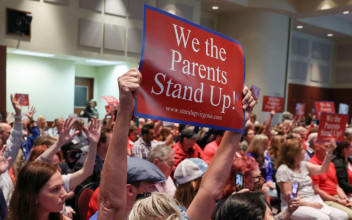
(255, 91)
(23, 99)
(273, 103)
(190, 74)
(110, 100)
(327, 107)
(332, 126)
(300, 109)
(109, 108)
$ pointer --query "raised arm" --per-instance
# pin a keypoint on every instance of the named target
(64, 137)
(215, 177)
(267, 124)
(93, 134)
(320, 169)
(4, 164)
(112, 194)
(14, 142)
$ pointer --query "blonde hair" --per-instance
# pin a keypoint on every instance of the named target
(257, 147)
(157, 206)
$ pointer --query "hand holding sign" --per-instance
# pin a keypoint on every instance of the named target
(129, 88)
(332, 146)
(255, 90)
(248, 100)
(16, 105)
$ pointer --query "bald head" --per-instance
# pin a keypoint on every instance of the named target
(5, 130)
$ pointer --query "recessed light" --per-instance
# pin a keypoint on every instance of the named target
(299, 26)
(101, 62)
(215, 7)
(346, 12)
(30, 53)
(330, 35)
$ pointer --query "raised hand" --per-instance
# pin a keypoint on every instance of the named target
(248, 101)
(129, 87)
(272, 113)
(93, 131)
(30, 113)
(331, 147)
(4, 164)
(64, 133)
(16, 105)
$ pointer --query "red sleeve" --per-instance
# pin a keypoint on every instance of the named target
(93, 204)
(202, 155)
(209, 152)
(315, 180)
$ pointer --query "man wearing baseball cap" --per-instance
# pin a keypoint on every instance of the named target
(142, 176)
(186, 147)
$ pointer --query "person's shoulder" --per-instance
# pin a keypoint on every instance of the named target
(196, 146)
(282, 168)
(314, 159)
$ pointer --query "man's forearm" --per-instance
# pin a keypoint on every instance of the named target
(112, 194)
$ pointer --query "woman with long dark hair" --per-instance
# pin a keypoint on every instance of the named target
(38, 194)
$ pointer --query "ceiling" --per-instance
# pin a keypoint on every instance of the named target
(318, 17)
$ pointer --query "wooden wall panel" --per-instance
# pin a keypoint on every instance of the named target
(310, 94)
(3, 81)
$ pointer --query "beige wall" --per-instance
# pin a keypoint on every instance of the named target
(264, 37)
(55, 27)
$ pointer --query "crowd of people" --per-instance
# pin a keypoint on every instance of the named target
(138, 168)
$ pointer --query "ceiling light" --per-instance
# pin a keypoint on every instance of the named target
(30, 53)
(215, 7)
(102, 62)
(299, 26)
(346, 12)
(330, 35)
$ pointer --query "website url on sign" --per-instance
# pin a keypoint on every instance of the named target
(194, 114)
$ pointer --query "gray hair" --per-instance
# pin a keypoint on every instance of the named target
(160, 152)
(312, 138)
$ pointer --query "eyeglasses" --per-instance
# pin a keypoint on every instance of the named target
(260, 179)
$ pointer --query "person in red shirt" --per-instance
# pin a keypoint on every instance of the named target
(187, 147)
(133, 135)
(326, 184)
(213, 146)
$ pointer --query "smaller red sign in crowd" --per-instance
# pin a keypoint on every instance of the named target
(332, 126)
(111, 100)
(23, 99)
(273, 103)
(300, 109)
(327, 107)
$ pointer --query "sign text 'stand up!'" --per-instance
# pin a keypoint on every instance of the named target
(190, 74)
